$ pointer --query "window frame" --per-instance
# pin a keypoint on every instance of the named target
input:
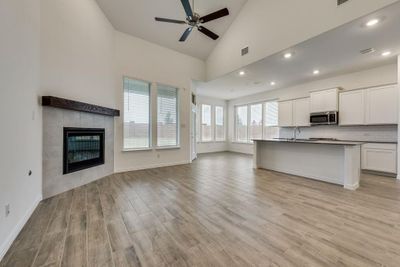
(248, 105)
(150, 135)
(178, 137)
(223, 124)
(211, 124)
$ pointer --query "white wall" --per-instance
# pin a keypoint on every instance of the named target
(256, 27)
(20, 117)
(211, 147)
(77, 52)
(373, 77)
(140, 59)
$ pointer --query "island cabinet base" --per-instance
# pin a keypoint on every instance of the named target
(333, 163)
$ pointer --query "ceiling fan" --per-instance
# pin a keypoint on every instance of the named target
(194, 20)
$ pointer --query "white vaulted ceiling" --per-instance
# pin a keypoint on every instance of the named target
(136, 17)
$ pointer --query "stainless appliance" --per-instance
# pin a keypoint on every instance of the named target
(324, 118)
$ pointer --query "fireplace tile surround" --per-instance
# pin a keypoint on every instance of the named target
(54, 121)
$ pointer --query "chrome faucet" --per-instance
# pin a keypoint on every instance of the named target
(295, 130)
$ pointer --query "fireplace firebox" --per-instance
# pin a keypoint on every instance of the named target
(83, 149)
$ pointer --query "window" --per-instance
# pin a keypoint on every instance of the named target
(167, 116)
(271, 129)
(206, 131)
(136, 114)
(255, 126)
(251, 123)
(241, 124)
(219, 124)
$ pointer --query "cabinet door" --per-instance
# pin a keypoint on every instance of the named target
(285, 114)
(322, 101)
(379, 157)
(381, 105)
(351, 108)
(301, 112)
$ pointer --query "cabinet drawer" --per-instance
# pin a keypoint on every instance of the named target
(379, 157)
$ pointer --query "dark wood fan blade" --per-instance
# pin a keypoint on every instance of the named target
(170, 20)
(208, 32)
(187, 7)
(216, 15)
(185, 35)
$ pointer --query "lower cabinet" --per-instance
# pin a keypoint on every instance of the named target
(379, 157)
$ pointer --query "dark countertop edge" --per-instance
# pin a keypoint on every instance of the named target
(337, 143)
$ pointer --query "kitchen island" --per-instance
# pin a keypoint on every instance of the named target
(336, 162)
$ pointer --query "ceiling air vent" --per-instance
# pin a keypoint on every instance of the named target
(367, 51)
(245, 51)
(341, 2)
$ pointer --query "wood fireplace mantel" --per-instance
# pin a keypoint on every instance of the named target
(57, 102)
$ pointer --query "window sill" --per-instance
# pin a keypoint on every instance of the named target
(242, 143)
(167, 147)
(210, 142)
(136, 149)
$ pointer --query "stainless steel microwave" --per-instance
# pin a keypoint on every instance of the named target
(324, 118)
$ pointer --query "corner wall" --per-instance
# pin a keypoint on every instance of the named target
(20, 116)
(398, 131)
(213, 146)
(143, 60)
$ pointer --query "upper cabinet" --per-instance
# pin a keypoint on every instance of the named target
(293, 113)
(301, 112)
(381, 105)
(351, 108)
(325, 100)
(285, 113)
(373, 106)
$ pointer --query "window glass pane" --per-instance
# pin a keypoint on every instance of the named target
(136, 114)
(241, 124)
(167, 116)
(255, 127)
(206, 131)
(219, 124)
(271, 129)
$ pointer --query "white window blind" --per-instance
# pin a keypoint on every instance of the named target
(206, 131)
(136, 114)
(167, 116)
(256, 123)
(271, 129)
(241, 124)
(219, 124)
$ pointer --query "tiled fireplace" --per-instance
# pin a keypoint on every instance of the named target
(78, 148)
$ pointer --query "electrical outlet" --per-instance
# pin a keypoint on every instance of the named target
(7, 210)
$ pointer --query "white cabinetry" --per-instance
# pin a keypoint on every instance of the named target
(301, 112)
(381, 105)
(372, 106)
(351, 108)
(294, 113)
(379, 157)
(285, 113)
(326, 100)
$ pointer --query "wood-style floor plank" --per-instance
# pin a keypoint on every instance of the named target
(217, 211)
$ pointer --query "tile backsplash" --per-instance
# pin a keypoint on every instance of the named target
(356, 133)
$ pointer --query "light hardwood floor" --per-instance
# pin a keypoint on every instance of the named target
(217, 211)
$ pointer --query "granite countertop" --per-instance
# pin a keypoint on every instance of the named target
(306, 141)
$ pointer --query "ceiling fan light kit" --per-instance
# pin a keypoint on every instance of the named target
(194, 20)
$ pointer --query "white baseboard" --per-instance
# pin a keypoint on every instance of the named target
(352, 186)
(152, 166)
(4, 247)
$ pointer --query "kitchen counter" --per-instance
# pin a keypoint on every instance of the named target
(308, 141)
(336, 162)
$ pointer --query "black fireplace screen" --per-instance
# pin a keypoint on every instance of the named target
(83, 148)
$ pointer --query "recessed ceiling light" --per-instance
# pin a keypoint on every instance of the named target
(287, 55)
(272, 83)
(372, 22)
(242, 73)
(386, 53)
(316, 72)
